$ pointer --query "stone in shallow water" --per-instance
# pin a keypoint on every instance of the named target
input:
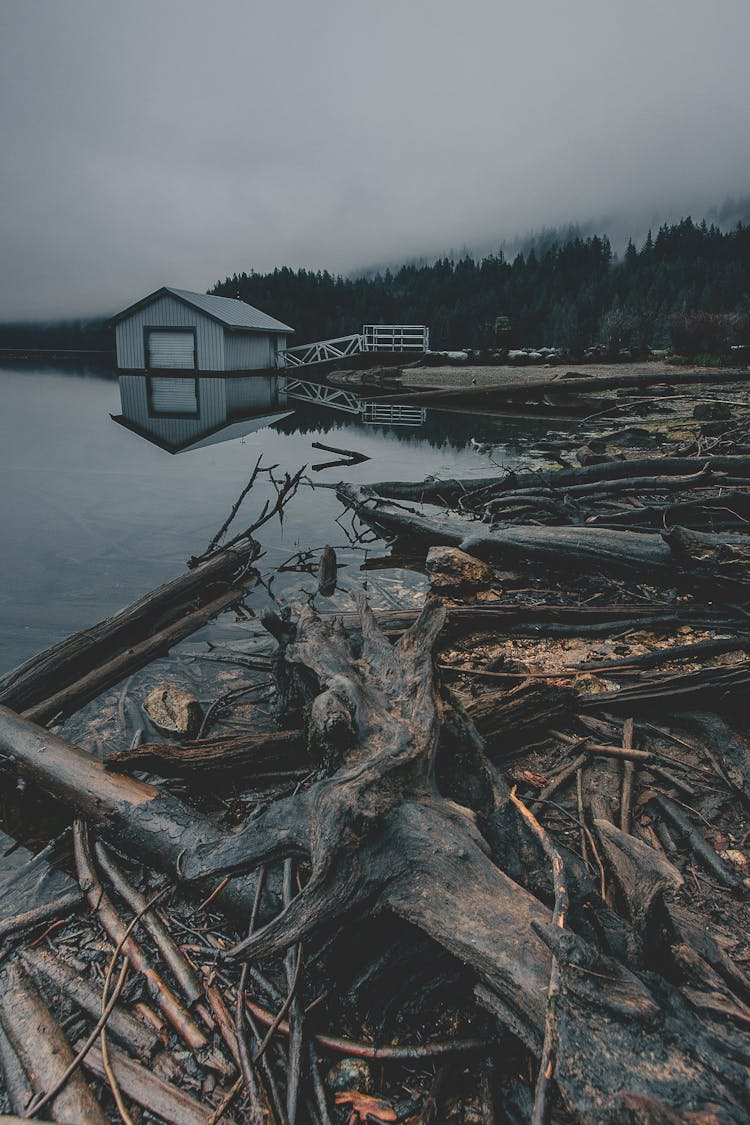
(448, 568)
(174, 710)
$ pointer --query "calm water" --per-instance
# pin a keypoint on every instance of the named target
(94, 515)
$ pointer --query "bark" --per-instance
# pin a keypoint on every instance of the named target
(453, 489)
(509, 719)
(379, 836)
(44, 1051)
(245, 756)
(147, 1089)
(126, 1029)
(152, 826)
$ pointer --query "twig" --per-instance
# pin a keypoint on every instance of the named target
(235, 507)
(628, 778)
(107, 1008)
(247, 1067)
(542, 1106)
(369, 1050)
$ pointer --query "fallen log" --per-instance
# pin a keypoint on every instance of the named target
(126, 1029)
(78, 656)
(452, 489)
(245, 755)
(663, 557)
(43, 1050)
(151, 825)
(509, 719)
(571, 383)
(147, 1089)
(71, 698)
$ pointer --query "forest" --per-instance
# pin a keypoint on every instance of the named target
(572, 294)
(687, 288)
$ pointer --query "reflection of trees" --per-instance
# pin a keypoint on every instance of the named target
(441, 429)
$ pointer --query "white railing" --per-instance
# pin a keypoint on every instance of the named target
(395, 338)
(391, 414)
(323, 395)
(324, 350)
(372, 338)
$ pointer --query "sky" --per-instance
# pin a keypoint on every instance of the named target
(154, 142)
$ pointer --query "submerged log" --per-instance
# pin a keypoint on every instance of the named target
(70, 673)
(379, 836)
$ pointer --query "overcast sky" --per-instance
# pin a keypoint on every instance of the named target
(150, 142)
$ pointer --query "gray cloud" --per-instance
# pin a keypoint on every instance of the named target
(175, 141)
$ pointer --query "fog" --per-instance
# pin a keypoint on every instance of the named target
(175, 141)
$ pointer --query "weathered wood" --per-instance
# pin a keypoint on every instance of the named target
(243, 755)
(512, 718)
(80, 655)
(71, 698)
(153, 826)
(134, 1034)
(379, 836)
(147, 1089)
(572, 383)
(43, 1050)
(452, 489)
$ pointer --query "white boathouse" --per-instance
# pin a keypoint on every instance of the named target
(180, 331)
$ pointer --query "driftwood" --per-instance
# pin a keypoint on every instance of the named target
(153, 826)
(237, 756)
(43, 1050)
(147, 1089)
(571, 383)
(379, 836)
(480, 489)
(31, 889)
(126, 1029)
(724, 559)
(69, 674)
(509, 719)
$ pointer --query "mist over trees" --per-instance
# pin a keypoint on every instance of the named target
(569, 294)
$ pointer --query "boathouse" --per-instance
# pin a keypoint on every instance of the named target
(180, 331)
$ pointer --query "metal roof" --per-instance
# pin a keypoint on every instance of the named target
(227, 310)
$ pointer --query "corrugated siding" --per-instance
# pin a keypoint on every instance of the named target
(251, 351)
(212, 406)
(168, 312)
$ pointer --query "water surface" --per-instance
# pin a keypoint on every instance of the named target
(93, 514)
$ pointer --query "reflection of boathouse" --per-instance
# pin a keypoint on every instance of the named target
(177, 330)
(180, 413)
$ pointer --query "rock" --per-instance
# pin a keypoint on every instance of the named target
(173, 710)
(450, 569)
(350, 1074)
(736, 858)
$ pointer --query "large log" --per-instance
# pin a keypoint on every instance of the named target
(452, 489)
(135, 816)
(102, 654)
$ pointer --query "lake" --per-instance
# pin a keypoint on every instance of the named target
(95, 511)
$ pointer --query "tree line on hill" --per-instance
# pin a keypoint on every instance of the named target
(688, 287)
